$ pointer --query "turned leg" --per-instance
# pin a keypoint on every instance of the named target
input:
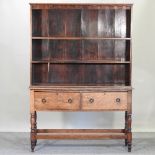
(33, 131)
(35, 127)
(126, 129)
(129, 121)
(129, 134)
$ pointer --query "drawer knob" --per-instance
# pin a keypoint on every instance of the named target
(118, 100)
(91, 100)
(43, 100)
(70, 100)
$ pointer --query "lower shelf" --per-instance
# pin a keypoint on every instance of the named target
(80, 131)
(81, 134)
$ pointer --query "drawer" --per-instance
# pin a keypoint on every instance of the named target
(56, 101)
(104, 101)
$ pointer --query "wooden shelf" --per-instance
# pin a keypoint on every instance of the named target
(83, 62)
(82, 38)
(80, 133)
(87, 85)
(81, 136)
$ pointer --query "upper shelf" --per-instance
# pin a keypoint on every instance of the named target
(81, 38)
(81, 23)
(83, 62)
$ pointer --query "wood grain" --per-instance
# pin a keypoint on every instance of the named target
(129, 121)
(83, 62)
(80, 6)
(89, 22)
(81, 136)
(31, 101)
(39, 73)
(82, 38)
(80, 131)
(82, 88)
(104, 101)
(56, 101)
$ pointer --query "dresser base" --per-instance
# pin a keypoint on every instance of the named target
(81, 99)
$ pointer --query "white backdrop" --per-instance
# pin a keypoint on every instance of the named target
(14, 72)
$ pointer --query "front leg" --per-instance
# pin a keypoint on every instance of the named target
(35, 127)
(126, 127)
(33, 131)
(129, 134)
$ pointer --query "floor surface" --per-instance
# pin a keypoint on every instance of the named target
(19, 144)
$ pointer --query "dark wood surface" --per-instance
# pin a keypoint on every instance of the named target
(83, 74)
(81, 88)
(80, 131)
(82, 38)
(81, 62)
(81, 23)
(80, 6)
(99, 34)
(81, 136)
(58, 49)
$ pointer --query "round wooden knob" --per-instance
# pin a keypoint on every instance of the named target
(70, 100)
(43, 100)
(118, 100)
(91, 100)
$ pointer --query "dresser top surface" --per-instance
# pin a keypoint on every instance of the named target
(82, 88)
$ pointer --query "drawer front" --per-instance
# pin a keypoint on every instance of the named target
(56, 101)
(104, 101)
